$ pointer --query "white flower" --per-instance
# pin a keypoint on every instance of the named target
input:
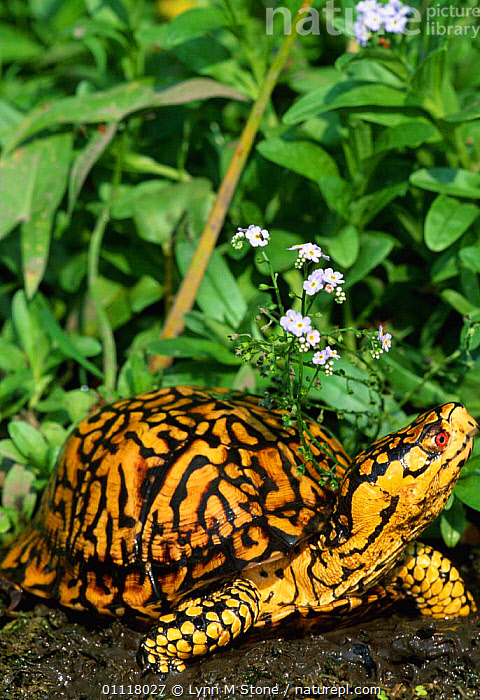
(257, 236)
(332, 353)
(368, 6)
(309, 251)
(301, 325)
(288, 319)
(314, 282)
(373, 19)
(332, 277)
(395, 24)
(312, 338)
(295, 323)
(320, 358)
(325, 357)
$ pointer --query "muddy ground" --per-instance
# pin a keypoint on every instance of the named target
(48, 654)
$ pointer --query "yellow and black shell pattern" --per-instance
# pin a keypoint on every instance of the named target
(159, 494)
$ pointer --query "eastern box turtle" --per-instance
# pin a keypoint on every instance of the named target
(193, 512)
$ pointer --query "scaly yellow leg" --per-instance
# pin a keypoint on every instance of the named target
(433, 581)
(199, 626)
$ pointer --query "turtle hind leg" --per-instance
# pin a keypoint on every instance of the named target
(199, 626)
(28, 563)
(433, 582)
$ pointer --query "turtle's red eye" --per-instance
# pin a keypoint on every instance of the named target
(441, 439)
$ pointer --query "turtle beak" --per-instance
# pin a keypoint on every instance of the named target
(474, 430)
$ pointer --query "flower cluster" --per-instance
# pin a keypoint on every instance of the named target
(301, 326)
(328, 279)
(374, 17)
(256, 236)
(325, 358)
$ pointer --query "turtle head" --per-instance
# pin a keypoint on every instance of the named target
(397, 486)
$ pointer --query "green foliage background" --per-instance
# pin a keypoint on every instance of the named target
(116, 128)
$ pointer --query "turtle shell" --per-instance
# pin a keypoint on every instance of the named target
(160, 493)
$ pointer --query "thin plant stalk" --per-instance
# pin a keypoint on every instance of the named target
(105, 327)
(185, 297)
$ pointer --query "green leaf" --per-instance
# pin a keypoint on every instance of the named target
(345, 94)
(68, 348)
(452, 523)
(364, 209)
(303, 157)
(447, 220)
(54, 433)
(15, 45)
(144, 293)
(374, 248)
(468, 489)
(157, 213)
(424, 392)
(29, 441)
(111, 12)
(431, 83)
(201, 374)
(466, 115)
(337, 193)
(49, 160)
(118, 102)
(8, 450)
(10, 118)
(73, 272)
(124, 204)
(445, 266)
(23, 194)
(219, 295)
(31, 335)
(383, 57)
(87, 346)
(135, 377)
(85, 161)
(186, 26)
(11, 357)
(344, 247)
(35, 242)
(133, 162)
(407, 135)
(457, 301)
(196, 348)
(16, 382)
(342, 393)
(78, 403)
(470, 257)
(455, 181)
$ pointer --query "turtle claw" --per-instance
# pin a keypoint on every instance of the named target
(158, 664)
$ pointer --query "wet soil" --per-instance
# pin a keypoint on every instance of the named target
(47, 653)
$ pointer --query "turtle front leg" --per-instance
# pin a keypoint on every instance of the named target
(199, 626)
(433, 581)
